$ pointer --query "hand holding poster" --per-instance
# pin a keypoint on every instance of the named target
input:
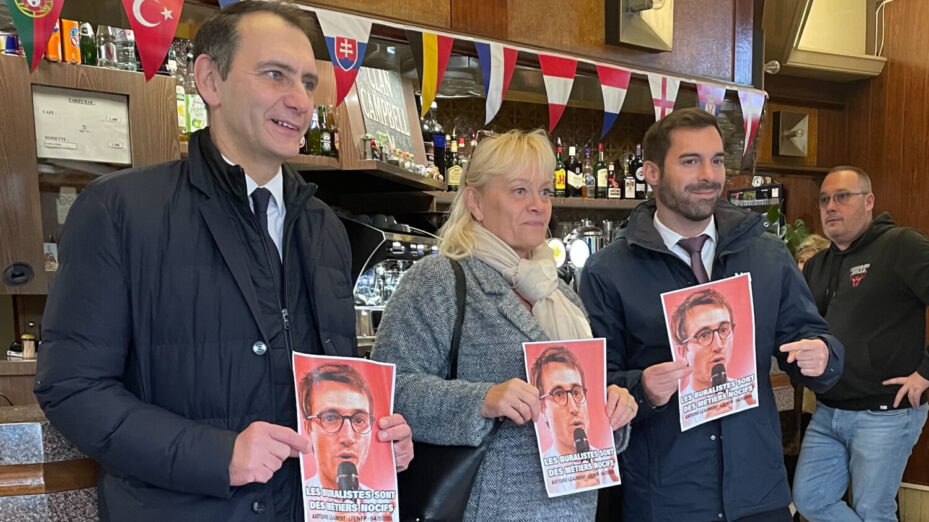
(576, 444)
(712, 327)
(350, 474)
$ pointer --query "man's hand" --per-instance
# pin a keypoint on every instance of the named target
(811, 356)
(660, 380)
(395, 429)
(515, 399)
(620, 406)
(912, 387)
(260, 450)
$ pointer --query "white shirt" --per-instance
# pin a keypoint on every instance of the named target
(276, 208)
(708, 253)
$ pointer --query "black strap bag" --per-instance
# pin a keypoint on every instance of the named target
(438, 483)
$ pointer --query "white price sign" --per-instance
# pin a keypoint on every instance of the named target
(81, 125)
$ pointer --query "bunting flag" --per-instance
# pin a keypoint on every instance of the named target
(346, 38)
(710, 97)
(497, 63)
(34, 20)
(752, 106)
(154, 23)
(613, 82)
(430, 52)
(226, 3)
(558, 74)
(664, 93)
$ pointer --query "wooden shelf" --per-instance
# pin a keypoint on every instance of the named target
(299, 162)
(445, 198)
(791, 169)
(393, 173)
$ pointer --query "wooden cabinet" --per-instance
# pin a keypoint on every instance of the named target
(26, 181)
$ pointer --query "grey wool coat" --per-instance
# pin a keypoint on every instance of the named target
(416, 334)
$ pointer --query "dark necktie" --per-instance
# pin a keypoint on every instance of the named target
(694, 247)
(261, 197)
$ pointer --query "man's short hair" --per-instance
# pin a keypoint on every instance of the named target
(341, 373)
(864, 180)
(218, 37)
(700, 298)
(657, 140)
(554, 354)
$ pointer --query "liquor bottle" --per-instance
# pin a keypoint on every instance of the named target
(312, 135)
(574, 180)
(325, 135)
(89, 46)
(454, 167)
(180, 94)
(628, 179)
(614, 181)
(334, 132)
(428, 145)
(463, 157)
(438, 140)
(559, 173)
(635, 167)
(196, 109)
(601, 172)
(589, 189)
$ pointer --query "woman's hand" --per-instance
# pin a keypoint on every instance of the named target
(621, 407)
(514, 399)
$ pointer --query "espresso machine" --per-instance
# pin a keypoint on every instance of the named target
(573, 250)
(380, 256)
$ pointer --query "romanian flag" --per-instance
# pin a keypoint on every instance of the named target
(431, 52)
(34, 21)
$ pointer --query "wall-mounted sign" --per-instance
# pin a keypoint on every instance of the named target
(383, 106)
(81, 125)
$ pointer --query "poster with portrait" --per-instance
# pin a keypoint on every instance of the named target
(712, 327)
(349, 474)
(576, 445)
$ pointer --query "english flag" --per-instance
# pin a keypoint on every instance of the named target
(154, 23)
(752, 106)
(614, 83)
(710, 97)
(346, 38)
(497, 63)
(34, 20)
(664, 93)
(558, 74)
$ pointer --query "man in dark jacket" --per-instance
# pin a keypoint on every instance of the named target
(184, 288)
(731, 468)
(872, 286)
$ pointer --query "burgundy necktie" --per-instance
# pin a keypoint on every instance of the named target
(694, 247)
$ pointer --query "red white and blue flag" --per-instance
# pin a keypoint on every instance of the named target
(346, 38)
(558, 74)
(664, 93)
(752, 106)
(497, 63)
(710, 97)
(614, 83)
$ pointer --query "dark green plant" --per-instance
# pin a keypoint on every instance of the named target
(791, 234)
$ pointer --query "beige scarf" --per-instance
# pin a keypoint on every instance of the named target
(536, 280)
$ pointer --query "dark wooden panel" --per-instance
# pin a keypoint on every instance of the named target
(480, 17)
(832, 137)
(436, 13)
(703, 43)
(48, 477)
(806, 91)
(743, 42)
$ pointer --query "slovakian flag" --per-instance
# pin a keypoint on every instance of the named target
(430, 52)
(710, 97)
(497, 64)
(154, 23)
(558, 74)
(614, 83)
(664, 93)
(34, 20)
(346, 38)
(752, 106)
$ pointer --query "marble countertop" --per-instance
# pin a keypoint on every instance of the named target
(26, 437)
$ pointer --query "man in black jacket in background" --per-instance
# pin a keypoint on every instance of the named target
(872, 286)
(184, 288)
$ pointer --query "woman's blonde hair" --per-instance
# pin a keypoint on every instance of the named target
(810, 246)
(509, 154)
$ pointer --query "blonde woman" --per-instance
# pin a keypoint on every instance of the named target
(496, 230)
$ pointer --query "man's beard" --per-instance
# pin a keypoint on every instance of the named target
(688, 208)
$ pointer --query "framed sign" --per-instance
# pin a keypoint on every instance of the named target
(81, 125)
(383, 106)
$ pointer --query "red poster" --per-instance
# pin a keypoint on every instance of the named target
(576, 444)
(349, 474)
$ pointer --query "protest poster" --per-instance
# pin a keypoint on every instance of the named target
(576, 445)
(349, 475)
(712, 327)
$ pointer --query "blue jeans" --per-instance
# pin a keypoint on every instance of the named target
(870, 448)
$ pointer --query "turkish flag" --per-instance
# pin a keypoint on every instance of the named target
(154, 23)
